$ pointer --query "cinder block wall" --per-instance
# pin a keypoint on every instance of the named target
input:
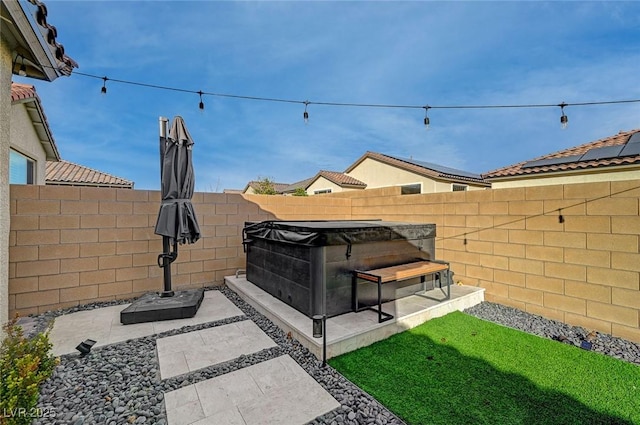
(584, 270)
(76, 245)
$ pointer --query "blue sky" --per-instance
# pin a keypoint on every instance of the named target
(396, 53)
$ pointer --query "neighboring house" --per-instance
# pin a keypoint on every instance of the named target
(31, 143)
(33, 154)
(252, 186)
(612, 158)
(65, 173)
(297, 186)
(29, 48)
(331, 182)
(413, 176)
(374, 170)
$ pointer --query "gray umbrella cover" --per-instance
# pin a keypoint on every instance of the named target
(177, 218)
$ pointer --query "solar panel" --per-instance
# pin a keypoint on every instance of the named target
(631, 149)
(552, 161)
(442, 169)
(635, 138)
(602, 153)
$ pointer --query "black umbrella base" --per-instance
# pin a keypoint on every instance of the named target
(153, 307)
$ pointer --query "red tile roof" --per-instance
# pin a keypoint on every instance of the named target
(68, 173)
(521, 168)
(341, 179)
(51, 34)
(23, 92)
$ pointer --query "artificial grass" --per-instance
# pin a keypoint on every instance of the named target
(458, 369)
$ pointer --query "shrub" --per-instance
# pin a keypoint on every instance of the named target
(24, 364)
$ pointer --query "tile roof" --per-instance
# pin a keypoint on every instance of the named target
(26, 93)
(22, 92)
(278, 187)
(575, 159)
(68, 173)
(302, 184)
(341, 179)
(422, 168)
(51, 33)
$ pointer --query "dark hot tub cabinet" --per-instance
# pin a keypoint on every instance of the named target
(294, 260)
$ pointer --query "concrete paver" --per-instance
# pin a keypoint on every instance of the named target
(103, 324)
(183, 353)
(276, 391)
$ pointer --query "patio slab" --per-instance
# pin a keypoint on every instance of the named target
(183, 353)
(351, 331)
(103, 324)
(276, 391)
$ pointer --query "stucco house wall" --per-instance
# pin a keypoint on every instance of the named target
(322, 184)
(377, 174)
(5, 119)
(24, 139)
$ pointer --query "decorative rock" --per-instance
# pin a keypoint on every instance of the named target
(120, 383)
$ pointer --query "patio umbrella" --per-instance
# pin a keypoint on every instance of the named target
(177, 222)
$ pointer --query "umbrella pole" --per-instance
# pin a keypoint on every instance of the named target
(166, 267)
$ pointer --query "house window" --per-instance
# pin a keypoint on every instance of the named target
(21, 168)
(318, 192)
(410, 189)
(459, 187)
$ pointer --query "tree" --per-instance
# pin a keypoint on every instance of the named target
(264, 186)
(300, 192)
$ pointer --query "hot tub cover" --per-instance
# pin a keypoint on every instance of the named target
(336, 232)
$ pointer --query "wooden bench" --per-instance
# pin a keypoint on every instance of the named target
(400, 272)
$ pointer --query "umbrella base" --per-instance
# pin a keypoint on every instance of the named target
(153, 307)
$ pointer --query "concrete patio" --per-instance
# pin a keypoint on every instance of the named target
(351, 331)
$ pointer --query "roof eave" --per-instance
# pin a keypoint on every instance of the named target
(30, 45)
(88, 184)
(561, 173)
(41, 126)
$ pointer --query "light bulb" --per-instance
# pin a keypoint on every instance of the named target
(564, 122)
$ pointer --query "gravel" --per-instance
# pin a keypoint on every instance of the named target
(120, 383)
(552, 329)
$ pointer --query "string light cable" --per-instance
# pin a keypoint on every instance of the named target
(306, 103)
(561, 217)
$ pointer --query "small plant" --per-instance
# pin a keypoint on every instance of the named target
(24, 364)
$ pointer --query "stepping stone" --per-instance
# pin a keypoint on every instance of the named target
(179, 354)
(276, 391)
(103, 324)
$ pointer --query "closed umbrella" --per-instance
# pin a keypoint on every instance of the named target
(177, 222)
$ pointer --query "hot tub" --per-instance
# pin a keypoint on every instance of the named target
(295, 260)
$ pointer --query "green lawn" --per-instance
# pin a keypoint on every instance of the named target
(458, 369)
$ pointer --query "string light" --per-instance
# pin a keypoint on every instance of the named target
(201, 105)
(564, 120)
(104, 86)
(560, 216)
(306, 114)
(426, 118)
